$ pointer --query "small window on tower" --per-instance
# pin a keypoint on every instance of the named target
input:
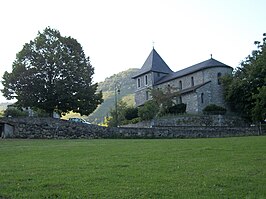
(202, 98)
(219, 75)
(146, 79)
(138, 82)
(180, 85)
(192, 81)
(169, 88)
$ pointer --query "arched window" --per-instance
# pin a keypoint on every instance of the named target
(202, 98)
(146, 80)
(138, 82)
(180, 85)
(192, 81)
(169, 88)
(219, 78)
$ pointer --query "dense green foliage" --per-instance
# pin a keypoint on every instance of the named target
(149, 110)
(52, 73)
(123, 115)
(14, 112)
(177, 168)
(165, 99)
(131, 113)
(213, 109)
(259, 110)
(127, 87)
(244, 90)
(117, 115)
(177, 109)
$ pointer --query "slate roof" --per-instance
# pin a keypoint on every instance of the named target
(202, 65)
(154, 63)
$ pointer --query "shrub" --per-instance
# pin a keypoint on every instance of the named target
(131, 113)
(213, 109)
(14, 112)
(40, 113)
(177, 109)
(133, 121)
(148, 111)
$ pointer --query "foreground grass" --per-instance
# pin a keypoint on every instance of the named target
(177, 168)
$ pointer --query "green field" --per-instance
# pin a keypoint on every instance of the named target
(167, 168)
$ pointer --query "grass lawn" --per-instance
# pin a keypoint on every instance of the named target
(165, 168)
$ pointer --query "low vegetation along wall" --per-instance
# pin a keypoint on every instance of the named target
(47, 128)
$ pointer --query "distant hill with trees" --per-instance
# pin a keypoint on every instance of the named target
(127, 88)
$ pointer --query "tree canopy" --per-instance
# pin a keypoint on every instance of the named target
(165, 99)
(52, 73)
(245, 90)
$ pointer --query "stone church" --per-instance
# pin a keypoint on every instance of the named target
(198, 85)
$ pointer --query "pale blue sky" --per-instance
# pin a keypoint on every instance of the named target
(119, 34)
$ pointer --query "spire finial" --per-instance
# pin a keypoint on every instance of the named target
(153, 44)
(211, 56)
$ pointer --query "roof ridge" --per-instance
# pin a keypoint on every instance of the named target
(194, 68)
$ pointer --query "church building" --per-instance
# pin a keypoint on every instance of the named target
(198, 85)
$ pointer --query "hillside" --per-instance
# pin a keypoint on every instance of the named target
(127, 88)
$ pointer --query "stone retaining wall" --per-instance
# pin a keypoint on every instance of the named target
(193, 120)
(47, 128)
(187, 132)
(38, 128)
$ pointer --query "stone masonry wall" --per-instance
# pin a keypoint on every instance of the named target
(48, 128)
(52, 128)
(193, 120)
(186, 132)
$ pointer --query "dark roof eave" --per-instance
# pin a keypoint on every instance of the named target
(192, 89)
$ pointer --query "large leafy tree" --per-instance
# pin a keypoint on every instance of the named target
(165, 99)
(52, 73)
(259, 110)
(244, 90)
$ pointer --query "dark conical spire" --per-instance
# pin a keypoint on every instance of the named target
(154, 63)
